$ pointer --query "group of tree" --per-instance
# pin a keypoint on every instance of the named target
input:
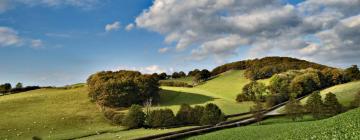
(315, 106)
(174, 83)
(267, 66)
(8, 89)
(202, 76)
(180, 74)
(122, 88)
(165, 118)
(254, 91)
(299, 83)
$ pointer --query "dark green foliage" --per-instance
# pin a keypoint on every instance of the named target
(274, 99)
(356, 102)
(332, 106)
(314, 105)
(174, 84)
(212, 115)
(161, 118)
(193, 72)
(4, 88)
(267, 66)
(203, 75)
(334, 76)
(134, 118)
(257, 111)
(122, 88)
(352, 73)
(178, 75)
(19, 85)
(252, 91)
(294, 109)
(196, 113)
(163, 76)
(184, 115)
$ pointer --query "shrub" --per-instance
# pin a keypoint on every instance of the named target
(134, 118)
(174, 84)
(356, 102)
(314, 105)
(196, 113)
(114, 117)
(161, 118)
(212, 115)
(332, 106)
(184, 115)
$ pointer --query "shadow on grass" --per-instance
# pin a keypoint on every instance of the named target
(169, 97)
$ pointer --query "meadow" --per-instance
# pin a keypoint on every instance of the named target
(343, 126)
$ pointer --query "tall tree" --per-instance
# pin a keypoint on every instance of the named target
(19, 85)
(294, 109)
(5, 88)
(314, 105)
(332, 105)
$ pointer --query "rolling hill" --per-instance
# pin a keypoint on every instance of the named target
(343, 126)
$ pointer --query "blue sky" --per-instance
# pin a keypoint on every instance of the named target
(63, 42)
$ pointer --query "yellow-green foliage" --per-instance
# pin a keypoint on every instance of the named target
(343, 126)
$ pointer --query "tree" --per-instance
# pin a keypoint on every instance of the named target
(294, 109)
(352, 73)
(161, 118)
(183, 116)
(314, 105)
(175, 75)
(356, 102)
(19, 85)
(193, 72)
(135, 117)
(332, 106)
(257, 111)
(196, 114)
(163, 76)
(252, 91)
(5, 88)
(182, 74)
(203, 75)
(212, 115)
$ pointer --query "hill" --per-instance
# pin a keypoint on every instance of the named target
(343, 126)
(267, 66)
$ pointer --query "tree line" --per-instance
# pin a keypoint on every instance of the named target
(266, 67)
(8, 89)
(296, 83)
(165, 118)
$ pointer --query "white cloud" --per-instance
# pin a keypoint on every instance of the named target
(9, 37)
(163, 50)
(36, 43)
(217, 28)
(129, 27)
(113, 26)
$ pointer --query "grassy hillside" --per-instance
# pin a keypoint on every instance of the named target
(50, 114)
(343, 126)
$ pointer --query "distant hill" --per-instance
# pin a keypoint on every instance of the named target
(267, 66)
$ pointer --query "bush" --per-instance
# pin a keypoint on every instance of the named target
(174, 84)
(356, 102)
(184, 115)
(161, 118)
(114, 117)
(196, 113)
(134, 118)
(212, 115)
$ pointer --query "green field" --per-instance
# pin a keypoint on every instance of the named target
(66, 113)
(343, 126)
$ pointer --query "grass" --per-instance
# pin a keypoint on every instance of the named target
(50, 114)
(66, 113)
(343, 126)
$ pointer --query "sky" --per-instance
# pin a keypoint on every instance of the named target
(61, 42)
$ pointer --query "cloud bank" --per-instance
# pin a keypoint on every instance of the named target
(320, 30)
